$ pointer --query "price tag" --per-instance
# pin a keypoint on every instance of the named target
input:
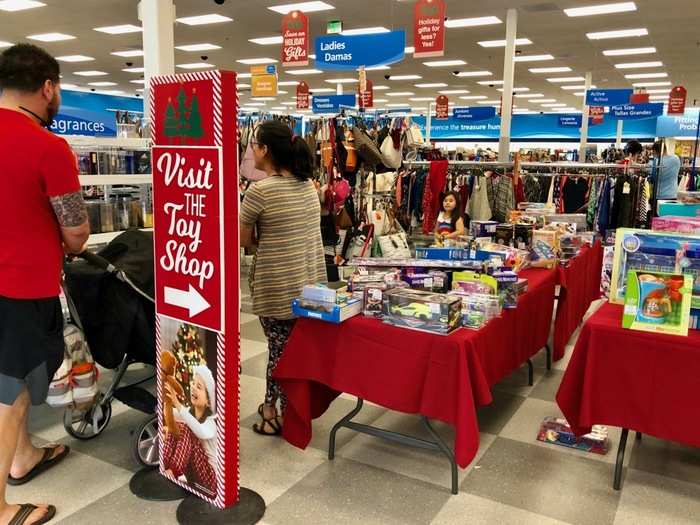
(626, 188)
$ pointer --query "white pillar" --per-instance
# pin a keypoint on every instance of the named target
(508, 75)
(618, 140)
(584, 120)
(429, 123)
(339, 89)
(157, 20)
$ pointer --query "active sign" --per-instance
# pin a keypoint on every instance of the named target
(195, 208)
(608, 97)
(636, 111)
(338, 52)
(474, 113)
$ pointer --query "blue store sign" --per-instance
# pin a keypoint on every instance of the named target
(474, 113)
(608, 97)
(678, 125)
(636, 111)
(570, 121)
(332, 103)
(347, 53)
(92, 114)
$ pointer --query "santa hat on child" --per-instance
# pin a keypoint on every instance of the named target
(208, 379)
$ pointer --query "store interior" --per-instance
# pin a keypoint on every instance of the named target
(516, 371)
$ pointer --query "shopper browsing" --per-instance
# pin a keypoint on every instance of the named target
(284, 210)
(669, 165)
(450, 224)
(44, 214)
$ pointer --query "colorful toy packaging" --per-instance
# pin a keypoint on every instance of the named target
(373, 300)
(507, 288)
(477, 309)
(424, 311)
(689, 225)
(472, 282)
(329, 312)
(657, 302)
(556, 430)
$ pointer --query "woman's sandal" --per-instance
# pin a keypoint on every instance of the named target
(26, 510)
(47, 461)
(271, 423)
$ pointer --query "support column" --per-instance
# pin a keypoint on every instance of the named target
(339, 89)
(618, 139)
(508, 75)
(429, 123)
(584, 120)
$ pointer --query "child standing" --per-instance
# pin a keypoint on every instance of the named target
(450, 224)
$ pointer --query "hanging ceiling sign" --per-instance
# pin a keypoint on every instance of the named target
(685, 125)
(676, 100)
(366, 97)
(636, 111)
(429, 28)
(295, 39)
(596, 115)
(332, 103)
(639, 98)
(474, 113)
(608, 97)
(442, 108)
(570, 121)
(302, 95)
(263, 81)
(345, 53)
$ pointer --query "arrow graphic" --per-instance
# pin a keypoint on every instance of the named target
(191, 300)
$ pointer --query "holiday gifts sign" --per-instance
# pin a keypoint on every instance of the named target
(295, 39)
(442, 107)
(676, 100)
(366, 97)
(195, 204)
(302, 95)
(429, 28)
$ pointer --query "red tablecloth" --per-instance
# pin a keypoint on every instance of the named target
(637, 380)
(579, 287)
(441, 377)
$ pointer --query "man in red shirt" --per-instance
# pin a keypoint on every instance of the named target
(44, 215)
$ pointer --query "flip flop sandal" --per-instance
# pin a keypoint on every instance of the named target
(271, 423)
(26, 510)
(45, 463)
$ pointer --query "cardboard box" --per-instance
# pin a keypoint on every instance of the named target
(329, 312)
(425, 311)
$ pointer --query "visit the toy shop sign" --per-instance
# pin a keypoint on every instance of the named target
(195, 204)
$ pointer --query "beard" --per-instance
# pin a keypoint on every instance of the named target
(52, 110)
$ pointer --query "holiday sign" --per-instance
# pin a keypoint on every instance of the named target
(596, 115)
(366, 97)
(429, 28)
(295, 39)
(302, 95)
(676, 100)
(442, 107)
(195, 205)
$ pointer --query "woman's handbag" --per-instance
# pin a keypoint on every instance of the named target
(394, 246)
(391, 156)
(366, 147)
(380, 182)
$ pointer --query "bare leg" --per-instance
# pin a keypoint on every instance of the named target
(26, 454)
(11, 419)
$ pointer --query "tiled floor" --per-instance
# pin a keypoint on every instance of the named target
(513, 480)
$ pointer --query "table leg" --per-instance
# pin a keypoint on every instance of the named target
(343, 422)
(620, 459)
(549, 356)
(530, 373)
(446, 451)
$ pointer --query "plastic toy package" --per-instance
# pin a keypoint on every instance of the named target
(472, 282)
(477, 309)
(556, 430)
(373, 300)
(431, 281)
(425, 311)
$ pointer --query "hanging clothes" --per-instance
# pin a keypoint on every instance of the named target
(533, 190)
(435, 185)
(592, 203)
(622, 213)
(574, 194)
(503, 198)
(478, 208)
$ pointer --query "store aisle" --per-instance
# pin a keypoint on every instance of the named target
(514, 479)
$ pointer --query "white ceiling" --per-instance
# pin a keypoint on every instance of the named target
(672, 26)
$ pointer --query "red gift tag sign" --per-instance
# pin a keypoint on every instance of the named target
(639, 98)
(295, 39)
(429, 28)
(676, 100)
(442, 107)
(366, 97)
(596, 114)
(187, 209)
(302, 95)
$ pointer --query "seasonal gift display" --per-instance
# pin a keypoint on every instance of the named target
(556, 430)
(657, 302)
(425, 311)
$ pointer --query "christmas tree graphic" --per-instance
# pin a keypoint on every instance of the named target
(189, 351)
(183, 120)
(170, 126)
(195, 129)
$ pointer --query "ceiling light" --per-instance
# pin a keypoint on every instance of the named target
(303, 72)
(380, 88)
(489, 102)
(5, 44)
(658, 97)
(342, 80)
(365, 31)
(580, 94)
(137, 81)
(601, 9)
(133, 70)
(404, 77)
(421, 99)
(634, 65)
(118, 30)
(575, 87)
(198, 47)
(102, 84)
(516, 89)
(553, 105)
(51, 37)
(242, 85)
(288, 83)
(398, 106)
(267, 40)
(75, 58)
(629, 51)
(490, 82)
(544, 100)
(262, 99)
(278, 108)
(110, 91)
(409, 50)
(68, 86)
(502, 43)
(550, 69)
(91, 73)
(651, 84)
(321, 90)
(472, 22)
(401, 94)
(445, 63)
(197, 65)
(462, 74)
(256, 61)
(621, 33)
(306, 7)
(255, 104)
(473, 97)
(382, 100)
(657, 91)
(377, 68)
(454, 91)
(289, 103)
(636, 76)
(529, 95)
(19, 5)
(204, 19)
(532, 58)
(556, 80)
(128, 53)
(312, 56)
(432, 85)
(243, 75)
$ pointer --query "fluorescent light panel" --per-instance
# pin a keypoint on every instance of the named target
(445, 63)
(532, 58)
(398, 106)
(342, 80)
(421, 99)
(365, 31)
(288, 83)
(454, 91)
(133, 70)
(200, 20)
(140, 81)
(562, 69)
(381, 87)
(110, 91)
(629, 51)
(400, 94)
(557, 80)
(472, 22)
(256, 61)
(267, 40)
(529, 95)
(473, 97)
(578, 86)
(490, 82)
(68, 86)
(19, 5)
(489, 102)
(128, 53)
(620, 33)
(502, 43)
(637, 76)
(404, 77)
(601, 9)
(51, 37)
(321, 90)
(431, 85)
(119, 29)
(198, 47)
(197, 65)
(640, 65)
(464, 74)
(75, 58)
(409, 49)
(553, 105)
(91, 73)
(303, 72)
(5, 44)
(545, 100)
(516, 89)
(306, 7)
(102, 84)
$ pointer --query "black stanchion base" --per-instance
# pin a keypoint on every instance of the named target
(249, 510)
(148, 484)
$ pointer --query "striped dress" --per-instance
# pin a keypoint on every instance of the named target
(287, 213)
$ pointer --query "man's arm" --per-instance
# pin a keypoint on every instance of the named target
(72, 217)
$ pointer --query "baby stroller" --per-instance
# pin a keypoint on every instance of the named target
(113, 294)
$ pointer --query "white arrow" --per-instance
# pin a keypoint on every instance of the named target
(192, 300)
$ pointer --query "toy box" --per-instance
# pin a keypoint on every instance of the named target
(523, 236)
(504, 234)
(657, 302)
(482, 228)
(442, 254)
(573, 222)
(329, 312)
(679, 209)
(473, 282)
(477, 309)
(432, 281)
(556, 430)
(425, 311)
(689, 225)
(327, 293)
(507, 288)
(373, 300)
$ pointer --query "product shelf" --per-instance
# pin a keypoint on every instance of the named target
(108, 142)
(110, 180)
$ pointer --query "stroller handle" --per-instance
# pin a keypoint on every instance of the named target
(97, 261)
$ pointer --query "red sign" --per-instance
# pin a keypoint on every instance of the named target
(596, 114)
(295, 39)
(639, 98)
(442, 108)
(302, 95)
(366, 97)
(429, 28)
(676, 100)
(195, 202)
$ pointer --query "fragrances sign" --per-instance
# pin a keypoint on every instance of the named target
(295, 39)
(429, 28)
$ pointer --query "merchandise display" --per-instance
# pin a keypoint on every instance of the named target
(557, 431)
(420, 310)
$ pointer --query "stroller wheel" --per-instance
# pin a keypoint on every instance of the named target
(87, 424)
(144, 443)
